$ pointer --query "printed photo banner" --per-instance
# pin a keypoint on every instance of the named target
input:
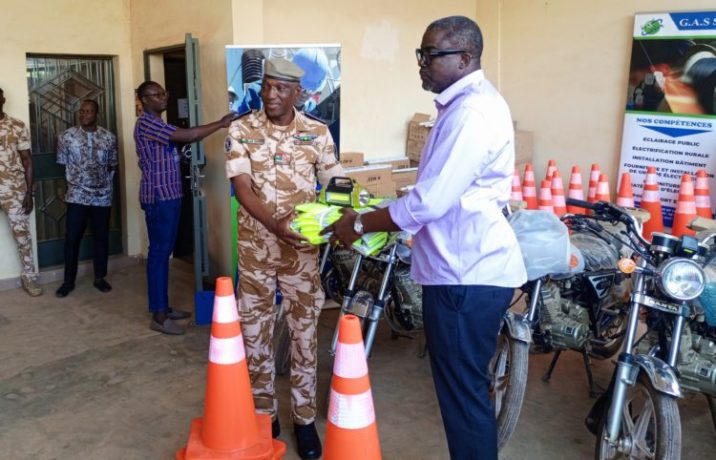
(320, 96)
(670, 119)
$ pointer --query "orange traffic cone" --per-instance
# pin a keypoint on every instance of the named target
(551, 168)
(603, 189)
(557, 189)
(545, 197)
(650, 201)
(593, 182)
(529, 191)
(516, 187)
(351, 431)
(625, 197)
(575, 190)
(230, 428)
(701, 195)
(685, 208)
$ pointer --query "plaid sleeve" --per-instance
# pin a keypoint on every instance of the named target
(156, 129)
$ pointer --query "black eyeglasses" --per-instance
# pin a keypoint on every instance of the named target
(426, 56)
(162, 94)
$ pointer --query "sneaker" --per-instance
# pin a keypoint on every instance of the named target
(167, 327)
(173, 313)
(102, 285)
(63, 290)
(31, 287)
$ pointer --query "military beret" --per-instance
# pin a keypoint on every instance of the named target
(281, 69)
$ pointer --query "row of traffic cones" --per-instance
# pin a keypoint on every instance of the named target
(692, 202)
(231, 428)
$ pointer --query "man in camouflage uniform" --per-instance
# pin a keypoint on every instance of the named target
(273, 158)
(16, 191)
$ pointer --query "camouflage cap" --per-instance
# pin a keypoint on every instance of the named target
(281, 69)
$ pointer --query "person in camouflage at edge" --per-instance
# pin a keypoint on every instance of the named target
(273, 157)
(16, 191)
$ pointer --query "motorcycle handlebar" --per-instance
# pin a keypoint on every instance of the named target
(580, 203)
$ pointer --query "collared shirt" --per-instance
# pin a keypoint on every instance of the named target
(14, 137)
(87, 155)
(283, 161)
(158, 159)
(464, 180)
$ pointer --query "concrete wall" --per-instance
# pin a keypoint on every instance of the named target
(161, 23)
(562, 65)
(67, 27)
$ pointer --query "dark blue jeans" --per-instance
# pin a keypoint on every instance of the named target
(461, 327)
(78, 215)
(162, 219)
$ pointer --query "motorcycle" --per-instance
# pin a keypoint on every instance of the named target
(576, 300)
(638, 416)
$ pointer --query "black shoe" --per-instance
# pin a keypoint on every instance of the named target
(173, 313)
(308, 443)
(275, 429)
(63, 290)
(102, 285)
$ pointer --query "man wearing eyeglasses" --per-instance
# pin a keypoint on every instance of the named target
(160, 193)
(465, 254)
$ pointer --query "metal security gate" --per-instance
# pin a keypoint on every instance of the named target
(57, 86)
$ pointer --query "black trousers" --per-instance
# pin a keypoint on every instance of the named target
(461, 327)
(77, 217)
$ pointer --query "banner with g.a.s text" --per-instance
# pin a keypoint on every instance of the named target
(670, 120)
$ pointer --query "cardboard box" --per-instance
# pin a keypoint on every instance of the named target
(394, 162)
(350, 159)
(523, 147)
(418, 129)
(404, 176)
(413, 149)
(382, 189)
(370, 175)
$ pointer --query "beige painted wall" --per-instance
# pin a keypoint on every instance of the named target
(380, 87)
(563, 68)
(34, 27)
(160, 23)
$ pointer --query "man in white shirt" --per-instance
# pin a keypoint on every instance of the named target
(465, 254)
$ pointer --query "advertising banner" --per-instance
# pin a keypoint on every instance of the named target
(670, 120)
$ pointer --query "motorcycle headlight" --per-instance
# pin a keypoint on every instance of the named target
(681, 279)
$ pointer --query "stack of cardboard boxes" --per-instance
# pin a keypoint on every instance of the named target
(376, 178)
(388, 176)
(419, 128)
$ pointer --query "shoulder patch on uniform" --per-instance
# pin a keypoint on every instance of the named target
(227, 145)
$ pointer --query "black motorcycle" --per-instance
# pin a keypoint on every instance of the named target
(580, 307)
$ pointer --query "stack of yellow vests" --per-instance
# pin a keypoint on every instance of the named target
(311, 218)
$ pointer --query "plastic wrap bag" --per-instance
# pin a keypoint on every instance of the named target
(708, 297)
(544, 241)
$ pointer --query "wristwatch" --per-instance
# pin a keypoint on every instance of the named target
(358, 226)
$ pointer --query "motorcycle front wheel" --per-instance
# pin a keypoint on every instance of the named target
(508, 369)
(650, 426)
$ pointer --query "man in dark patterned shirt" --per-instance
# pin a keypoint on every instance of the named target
(160, 193)
(89, 154)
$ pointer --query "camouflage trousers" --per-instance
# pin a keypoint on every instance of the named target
(261, 269)
(11, 204)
